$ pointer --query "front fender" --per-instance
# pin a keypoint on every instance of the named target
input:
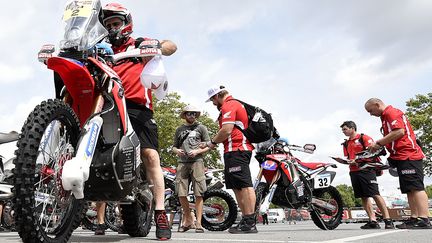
(79, 83)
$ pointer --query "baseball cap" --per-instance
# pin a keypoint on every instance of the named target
(190, 108)
(214, 90)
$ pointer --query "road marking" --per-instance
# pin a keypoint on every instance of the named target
(236, 240)
(360, 237)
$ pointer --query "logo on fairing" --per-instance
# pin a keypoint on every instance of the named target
(92, 140)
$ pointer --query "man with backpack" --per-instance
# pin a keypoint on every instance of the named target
(233, 119)
(190, 168)
(364, 182)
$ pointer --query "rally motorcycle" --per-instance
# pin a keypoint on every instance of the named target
(80, 147)
(219, 207)
(6, 180)
(291, 183)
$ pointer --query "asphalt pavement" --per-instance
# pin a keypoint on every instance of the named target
(304, 231)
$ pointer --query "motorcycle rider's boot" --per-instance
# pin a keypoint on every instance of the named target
(246, 226)
(163, 230)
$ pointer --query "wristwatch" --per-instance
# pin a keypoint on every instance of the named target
(211, 140)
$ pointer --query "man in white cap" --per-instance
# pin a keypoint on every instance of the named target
(190, 167)
(237, 155)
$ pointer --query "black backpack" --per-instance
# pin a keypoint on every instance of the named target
(260, 124)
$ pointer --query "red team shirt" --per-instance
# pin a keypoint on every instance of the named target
(405, 148)
(130, 74)
(233, 112)
(354, 146)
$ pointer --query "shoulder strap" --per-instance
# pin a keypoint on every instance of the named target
(345, 146)
(361, 141)
(183, 138)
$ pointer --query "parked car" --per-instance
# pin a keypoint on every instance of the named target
(276, 215)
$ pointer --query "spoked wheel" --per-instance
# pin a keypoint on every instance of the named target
(219, 210)
(330, 218)
(43, 211)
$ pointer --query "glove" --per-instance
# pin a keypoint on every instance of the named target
(105, 48)
(150, 43)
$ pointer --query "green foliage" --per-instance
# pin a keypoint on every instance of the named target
(348, 198)
(419, 113)
(428, 190)
(167, 116)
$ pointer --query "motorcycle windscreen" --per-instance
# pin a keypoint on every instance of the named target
(82, 28)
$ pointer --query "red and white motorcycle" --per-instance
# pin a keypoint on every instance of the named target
(291, 183)
(82, 146)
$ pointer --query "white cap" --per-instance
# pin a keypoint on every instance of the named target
(154, 77)
(190, 108)
(213, 91)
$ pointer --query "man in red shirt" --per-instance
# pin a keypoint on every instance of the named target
(364, 182)
(237, 155)
(118, 21)
(407, 156)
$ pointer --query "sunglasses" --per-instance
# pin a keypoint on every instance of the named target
(191, 113)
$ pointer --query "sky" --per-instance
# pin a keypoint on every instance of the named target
(312, 64)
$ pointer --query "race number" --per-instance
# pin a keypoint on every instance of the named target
(80, 8)
(322, 181)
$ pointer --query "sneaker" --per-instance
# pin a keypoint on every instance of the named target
(371, 225)
(421, 223)
(244, 227)
(100, 229)
(408, 224)
(163, 231)
(389, 224)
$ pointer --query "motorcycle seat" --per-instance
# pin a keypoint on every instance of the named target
(312, 165)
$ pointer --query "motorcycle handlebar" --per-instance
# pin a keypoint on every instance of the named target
(138, 52)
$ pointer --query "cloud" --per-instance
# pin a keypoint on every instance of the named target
(11, 73)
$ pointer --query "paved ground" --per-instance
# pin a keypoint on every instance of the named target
(304, 231)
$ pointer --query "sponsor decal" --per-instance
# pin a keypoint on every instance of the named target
(153, 51)
(408, 172)
(269, 165)
(91, 144)
(234, 169)
(373, 182)
(394, 122)
(227, 115)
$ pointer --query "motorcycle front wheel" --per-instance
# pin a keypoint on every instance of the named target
(323, 218)
(219, 210)
(43, 211)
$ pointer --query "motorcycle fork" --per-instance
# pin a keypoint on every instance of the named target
(272, 184)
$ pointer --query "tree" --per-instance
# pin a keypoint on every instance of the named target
(167, 116)
(419, 113)
(428, 190)
(347, 194)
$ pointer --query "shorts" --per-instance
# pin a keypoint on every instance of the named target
(364, 183)
(144, 126)
(190, 172)
(410, 175)
(237, 172)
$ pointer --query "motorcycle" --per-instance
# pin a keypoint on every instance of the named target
(6, 180)
(80, 147)
(291, 183)
(219, 207)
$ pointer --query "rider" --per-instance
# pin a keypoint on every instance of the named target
(364, 182)
(118, 21)
(187, 139)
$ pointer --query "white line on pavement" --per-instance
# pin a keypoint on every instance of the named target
(236, 240)
(353, 238)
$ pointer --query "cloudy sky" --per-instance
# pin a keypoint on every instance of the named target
(312, 64)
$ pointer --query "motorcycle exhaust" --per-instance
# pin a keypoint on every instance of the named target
(323, 204)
